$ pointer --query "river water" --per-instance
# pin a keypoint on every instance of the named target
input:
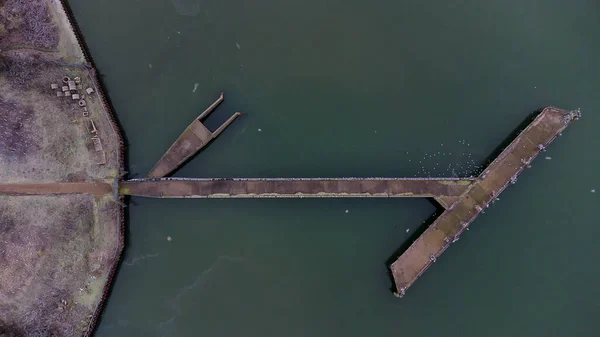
(353, 88)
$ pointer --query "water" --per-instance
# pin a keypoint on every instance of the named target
(353, 88)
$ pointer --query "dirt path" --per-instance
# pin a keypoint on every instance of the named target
(97, 189)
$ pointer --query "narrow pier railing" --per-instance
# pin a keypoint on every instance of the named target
(504, 170)
(463, 199)
(295, 187)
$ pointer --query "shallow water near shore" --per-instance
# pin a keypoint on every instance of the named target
(354, 88)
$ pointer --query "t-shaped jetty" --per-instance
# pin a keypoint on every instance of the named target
(462, 198)
(504, 170)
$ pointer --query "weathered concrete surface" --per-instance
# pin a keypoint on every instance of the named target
(294, 188)
(195, 137)
(446, 202)
(494, 179)
(462, 199)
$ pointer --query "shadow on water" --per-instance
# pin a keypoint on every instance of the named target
(439, 209)
(496, 152)
(416, 233)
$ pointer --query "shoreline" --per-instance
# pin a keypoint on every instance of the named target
(110, 114)
(75, 43)
(108, 185)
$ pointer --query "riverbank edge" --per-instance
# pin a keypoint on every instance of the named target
(66, 9)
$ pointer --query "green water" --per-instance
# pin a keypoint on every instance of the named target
(353, 88)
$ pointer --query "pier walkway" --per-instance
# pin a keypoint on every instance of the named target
(462, 199)
(295, 187)
(503, 171)
(195, 137)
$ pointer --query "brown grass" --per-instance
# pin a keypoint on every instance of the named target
(44, 138)
(37, 26)
(27, 24)
(55, 253)
(15, 130)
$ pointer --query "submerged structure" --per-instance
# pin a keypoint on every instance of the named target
(463, 199)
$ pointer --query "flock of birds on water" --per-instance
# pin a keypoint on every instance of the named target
(430, 165)
(467, 166)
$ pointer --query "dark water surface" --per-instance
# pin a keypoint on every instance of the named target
(353, 88)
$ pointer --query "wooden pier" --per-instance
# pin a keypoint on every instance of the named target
(195, 137)
(462, 199)
(504, 170)
(296, 187)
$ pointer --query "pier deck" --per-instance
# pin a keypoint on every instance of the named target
(462, 199)
(294, 187)
(194, 138)
(504, 170)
